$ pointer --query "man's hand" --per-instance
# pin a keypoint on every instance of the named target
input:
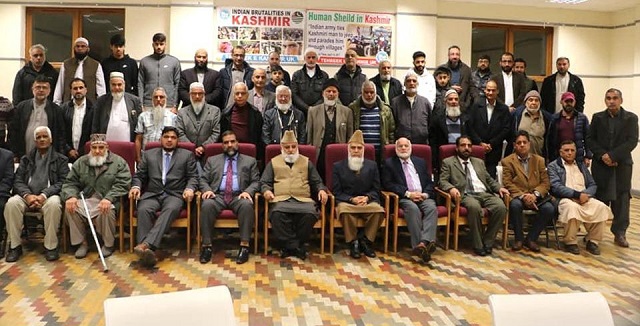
(71, 205)
(187, 194)
(608, 160)
(503, 192)
(486, 146)
(322, 196)
(587, 162)
(529, 200)
(512, 109)
(245, 195)
(416, 196)
(455, 193)
(583, 198)
(104, 206)
(208, 194)
(31, 200)
(134, 193)
(40, 199)
(73, 154)
(199, 151)
(268, 195)
(458, 88)
(360, 200)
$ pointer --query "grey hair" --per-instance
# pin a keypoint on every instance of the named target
(369, 83)
(283, 88)
(38, 46)
(161, 89)
(239, 84)
(195, 85)
(41, 128)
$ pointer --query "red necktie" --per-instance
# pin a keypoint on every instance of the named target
(228, 186)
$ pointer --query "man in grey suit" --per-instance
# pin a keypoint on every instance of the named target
(170, 178)
(513, 97)
(472, 186)
(198, 123)
(210, 78)
(116, 113)
(259, 97)
(229, 181)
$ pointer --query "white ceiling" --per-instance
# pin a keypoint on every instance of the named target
(594, 5)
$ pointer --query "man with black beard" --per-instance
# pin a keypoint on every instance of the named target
(77, 115)
(480, 77)
(152, 121)
(283, 117)
(80, 66)
(104, 177)
(356, 186)
(511, 84)
(446, 127)
(460, 75)
(229, 181)
(201, 72)
(290, 182)
(569, 124)
(116, 114)
(198, 123)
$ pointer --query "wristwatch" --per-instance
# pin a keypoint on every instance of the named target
(537, 193)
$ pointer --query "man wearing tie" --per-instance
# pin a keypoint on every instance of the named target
(229, 181)
(170, 178)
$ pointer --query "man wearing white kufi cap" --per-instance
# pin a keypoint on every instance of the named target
(116, 114)
(80, 66)
(290, 183)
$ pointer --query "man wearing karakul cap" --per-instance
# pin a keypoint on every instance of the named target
(80, 66)
(116, 114)
(104, 177)
(290, 183)
(529, 117)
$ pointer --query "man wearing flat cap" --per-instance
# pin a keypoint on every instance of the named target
(534, 121)
(80, 66)
(116, 114)
(104, 177)
(356, 185)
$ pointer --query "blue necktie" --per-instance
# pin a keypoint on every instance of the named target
(165, 167)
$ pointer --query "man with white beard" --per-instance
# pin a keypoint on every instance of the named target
(529, 117)
(104, 177)
(356, 186)
(408, 177)
(387, 87)
(198, 123)
(412, 112)
(152, 121)
(283, 117)
(446, 128)
(373, 117)
(116, 114)
(290, 183)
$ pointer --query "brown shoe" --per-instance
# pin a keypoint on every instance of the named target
(146, 255)
(531, 245)
(621, 240)
(517, 246)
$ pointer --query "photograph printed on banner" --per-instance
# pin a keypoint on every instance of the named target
(368, 40)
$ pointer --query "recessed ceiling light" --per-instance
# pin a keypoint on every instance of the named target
(570, 2)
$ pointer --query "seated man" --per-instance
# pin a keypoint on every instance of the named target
(198, 123)
(169, 176)
(466, 178)
(525, 176)
(229, 181)
(37, 187)
(356, 185)
(288, 182)
(6, 183)
(572, 183)
(407, 176)
(104, 177)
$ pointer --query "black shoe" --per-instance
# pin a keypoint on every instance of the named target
(243, 255)
(354, 249)
(593, 248)
(2, 244)
(301, 253)
(205, 254)
(480, 252)
(572, 248)
(14, 254)
(286, 252)
(365, 247)
(531, 245)
(430, 249)
(488, 250)
(51, 255)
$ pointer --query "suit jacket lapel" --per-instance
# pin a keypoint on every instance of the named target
(398, 166)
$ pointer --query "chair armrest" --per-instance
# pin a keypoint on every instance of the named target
(444, 195)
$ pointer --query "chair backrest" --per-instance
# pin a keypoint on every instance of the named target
(186, 145)
(338, 152)
(216, 148)
(273, 150)
(125, 149)
(450, 150)
(420, 150)
(208, 306)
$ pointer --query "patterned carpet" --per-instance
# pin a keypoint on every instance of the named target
(452, 289)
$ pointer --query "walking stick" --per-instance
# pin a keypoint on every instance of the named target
(93, 231)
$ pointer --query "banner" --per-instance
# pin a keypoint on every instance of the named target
(333, 32)
(261, 31)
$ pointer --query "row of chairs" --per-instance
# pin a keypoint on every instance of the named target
(449, 211)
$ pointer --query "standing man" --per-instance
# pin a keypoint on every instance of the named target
(466, 179)
(121, 62)
(201, 73)
(407, 176)
(198, 123)
(511, 85)
(229, 181)
(612, 136)
(104, 177)
(356, 186)
(159, 70)
(261, 99)
(37, 65)
(235, 70)
(152, 121)
(79, 66)
(77, 115)
(373, 117)
(37, 185)
(412, 112)
(284, 116)
(557, 84)
(460, 75)
(306, 83)
(290, 182)
(569, 124)
(274, 60)
(170, 178)
(426, 85)
(350, 78)
(520, 66)
(480, 77)
(117, 113)
(530, 118)
(387, 87)
(243, 118)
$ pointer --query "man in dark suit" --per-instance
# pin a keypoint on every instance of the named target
(489, 125)
(77, 115)
(551, 93)
(6, 183)
(409, 177)
(446, 126)
(229, 181)
(612, 136)
(466, 179)
(116, 114)
(356, 186)
(170, 178)
(387, 87)
(513, 97)
(203, 74)
(198, 123)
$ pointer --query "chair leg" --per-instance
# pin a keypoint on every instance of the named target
(332, 233)
(395, 235)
